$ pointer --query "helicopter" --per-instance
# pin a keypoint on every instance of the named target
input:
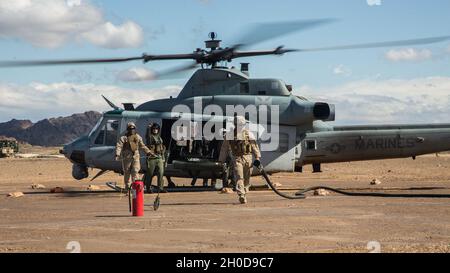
(300, 128)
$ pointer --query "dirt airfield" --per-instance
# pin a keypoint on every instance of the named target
(215, 222)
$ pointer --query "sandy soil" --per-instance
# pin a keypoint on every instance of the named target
(214, 222)
(26, 148)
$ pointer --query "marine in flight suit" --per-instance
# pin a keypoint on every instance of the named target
(155, 160)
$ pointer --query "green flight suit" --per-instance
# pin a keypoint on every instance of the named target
(155, 161)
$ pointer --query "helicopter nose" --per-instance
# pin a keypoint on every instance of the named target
(68, 150)
(75, 150)
(65, 150)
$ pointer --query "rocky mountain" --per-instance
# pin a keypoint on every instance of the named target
(50, 132)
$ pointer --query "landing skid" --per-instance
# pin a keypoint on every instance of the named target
(184, 189)
(113, 185)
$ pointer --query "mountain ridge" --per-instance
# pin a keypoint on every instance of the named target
(51, 131)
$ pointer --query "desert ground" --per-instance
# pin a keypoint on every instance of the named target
(215, 222)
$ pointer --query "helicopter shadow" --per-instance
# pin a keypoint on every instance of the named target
(113, 216)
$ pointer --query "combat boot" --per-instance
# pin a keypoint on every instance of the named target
(243, 199)
(162, 190)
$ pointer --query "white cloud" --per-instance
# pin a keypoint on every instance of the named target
(36, 100)
(136, 74)
(52, 23)
(408, 54)
(421, 100)
(107, 35)
(374, 2)
(342, 70)
(72, 3)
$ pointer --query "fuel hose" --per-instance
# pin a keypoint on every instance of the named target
(301, 194)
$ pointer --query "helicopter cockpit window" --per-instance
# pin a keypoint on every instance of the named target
(94, 130)
(112, 128)
(108, 133)
(100, 137)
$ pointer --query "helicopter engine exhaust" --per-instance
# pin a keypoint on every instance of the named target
(324, 111)
(301, 111)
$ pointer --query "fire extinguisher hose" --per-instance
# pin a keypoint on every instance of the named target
(129, 198)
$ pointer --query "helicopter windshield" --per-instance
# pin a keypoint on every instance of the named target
(106, 132)
(91, 133)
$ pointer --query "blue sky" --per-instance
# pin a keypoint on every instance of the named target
(181, 26)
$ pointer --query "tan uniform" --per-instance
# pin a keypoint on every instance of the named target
(127, 149)
(242, 151)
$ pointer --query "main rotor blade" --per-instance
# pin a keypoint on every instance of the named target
(148, 58)
(166, 74)
(267, 31)
(278, 51)
(423, 41)
(64, 62)
(175, 70)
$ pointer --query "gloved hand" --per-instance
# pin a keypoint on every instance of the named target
(257, 163)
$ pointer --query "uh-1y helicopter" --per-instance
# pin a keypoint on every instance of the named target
(304, 136)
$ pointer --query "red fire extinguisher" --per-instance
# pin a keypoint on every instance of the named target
(137, 193)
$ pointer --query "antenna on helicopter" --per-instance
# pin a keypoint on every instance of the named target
(115, 107)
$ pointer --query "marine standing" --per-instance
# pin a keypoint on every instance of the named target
(155, 160)
(127, 150)
(242, 146)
